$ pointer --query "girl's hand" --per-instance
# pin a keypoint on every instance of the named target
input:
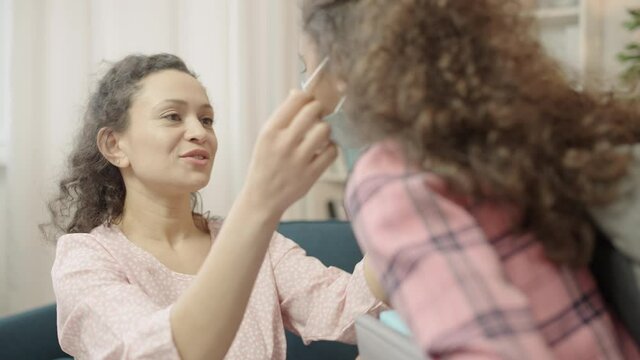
(292, 150)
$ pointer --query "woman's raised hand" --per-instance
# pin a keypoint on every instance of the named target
(292, 150)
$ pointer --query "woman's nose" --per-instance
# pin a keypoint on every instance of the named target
(195, 131)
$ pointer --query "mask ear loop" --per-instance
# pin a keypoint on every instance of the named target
(340, 103)
(315, 73)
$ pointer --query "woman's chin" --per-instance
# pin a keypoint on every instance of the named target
(198, 186)
(193, 185)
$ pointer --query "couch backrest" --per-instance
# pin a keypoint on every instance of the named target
(30, 335)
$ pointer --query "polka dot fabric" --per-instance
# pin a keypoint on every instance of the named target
(114, 300)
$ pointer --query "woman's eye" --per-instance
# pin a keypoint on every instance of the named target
(207, 121)
(172, 117)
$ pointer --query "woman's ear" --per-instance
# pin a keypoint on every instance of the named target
(109, 146)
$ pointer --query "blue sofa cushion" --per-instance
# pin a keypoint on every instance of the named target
(30, 335)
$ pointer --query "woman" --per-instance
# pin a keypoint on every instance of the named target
(141, 274)
(472, 199)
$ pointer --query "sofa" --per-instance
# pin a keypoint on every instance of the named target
(32, 334)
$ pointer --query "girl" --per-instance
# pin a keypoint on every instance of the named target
(472, 199)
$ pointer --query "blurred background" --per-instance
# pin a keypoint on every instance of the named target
(245, 52)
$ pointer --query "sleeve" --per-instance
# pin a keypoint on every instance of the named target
(439, 270)
(319, 302)
(100, 314)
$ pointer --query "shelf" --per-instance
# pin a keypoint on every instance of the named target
(559, 14)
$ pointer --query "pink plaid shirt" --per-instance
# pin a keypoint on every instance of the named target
(467, 284)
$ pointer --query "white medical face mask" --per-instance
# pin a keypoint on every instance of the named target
(343, 133)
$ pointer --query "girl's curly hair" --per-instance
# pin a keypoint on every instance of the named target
(92, 192)
(466, 87)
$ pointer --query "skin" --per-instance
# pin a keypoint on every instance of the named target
(325, 87)
(291, 152)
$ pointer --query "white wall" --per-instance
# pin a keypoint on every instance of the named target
(3, 244)
(614, 36)
(4, 25)
(593, 55)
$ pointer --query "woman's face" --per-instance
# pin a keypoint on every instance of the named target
(170, 143)
(324, 86)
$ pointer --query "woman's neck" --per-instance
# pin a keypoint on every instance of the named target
(153, 216)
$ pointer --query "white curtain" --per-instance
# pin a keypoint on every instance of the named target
(243, 50)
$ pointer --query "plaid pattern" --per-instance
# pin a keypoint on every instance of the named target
(467, 284)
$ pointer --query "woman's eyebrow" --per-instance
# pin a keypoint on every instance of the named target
(167, 102)
(179, 102)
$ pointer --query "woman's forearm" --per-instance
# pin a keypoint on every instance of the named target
(206, 317)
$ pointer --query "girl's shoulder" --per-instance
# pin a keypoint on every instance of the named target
(385, 162)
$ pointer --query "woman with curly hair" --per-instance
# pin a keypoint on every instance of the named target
(472, 198)
(140, 272)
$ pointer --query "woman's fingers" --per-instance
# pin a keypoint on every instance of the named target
(323, 160)
(293, 149)
(307, 117)
(287, 111)
(316, 139)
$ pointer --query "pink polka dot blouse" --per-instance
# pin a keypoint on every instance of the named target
(114, 300)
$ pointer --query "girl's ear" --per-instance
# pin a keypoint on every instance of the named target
(109, 145)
